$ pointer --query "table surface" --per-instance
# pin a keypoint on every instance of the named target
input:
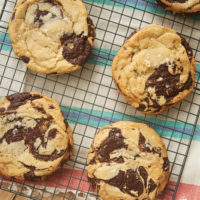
(4, 195)
(189, 188)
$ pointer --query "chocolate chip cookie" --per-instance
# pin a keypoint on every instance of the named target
(154, 69)
(180, 6)
(128, 161)
(34, 136)
(52, 36)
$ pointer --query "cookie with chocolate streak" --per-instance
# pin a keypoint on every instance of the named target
(34, 136)
(52, 36)
(154, 69)
(128, 161)
(180, 6)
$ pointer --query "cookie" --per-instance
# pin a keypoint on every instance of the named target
(128, 161)
(180, 6)
(34, 136)
(52, 36)
(154, 69)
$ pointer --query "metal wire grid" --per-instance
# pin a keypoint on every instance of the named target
(89, 99)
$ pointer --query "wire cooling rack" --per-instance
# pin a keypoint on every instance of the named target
(89, 100)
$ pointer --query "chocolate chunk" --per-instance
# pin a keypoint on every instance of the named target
(51, 157)
(70, 147)
(187, 48)
(49, 1)
(25, 59)
(151, 186)
(127, 182)
(133, 33)
(19, 119)
(168, 86)
(165, 164)
(118, 181)
(54, 3)
(52, 133)
(188, 83)
(39, 13)
(66, 123)
(136, 156)
(161, 4)
(117, 86)
(157, 150)
(19, 99)
(141, 107)
(13, 15)
(29, 175)
(155, 104)
(165, 84)
(146, 147)
(143, 174)
(76, 48)
(141, 139)
(174, 68)
(119, 159)
(93, 161)
(51, 107)
(94, 181)
(190, 14)
(13, 135)
(30, 135)
(58, 3)
(91, 31)
(12, 118)
(53, 16)
(2, 110)
(114, 141)
(40, 109)
(177, 1)
(115, 131)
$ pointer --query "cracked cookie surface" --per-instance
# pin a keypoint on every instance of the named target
(180, 6)
(52, 36)
(128, 161)
(154, 69)
(34, 136)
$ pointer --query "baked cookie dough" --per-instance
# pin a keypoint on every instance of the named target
(180, 6)
(52, 36)
(128, 161)
(34, 136)
(154, 69)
